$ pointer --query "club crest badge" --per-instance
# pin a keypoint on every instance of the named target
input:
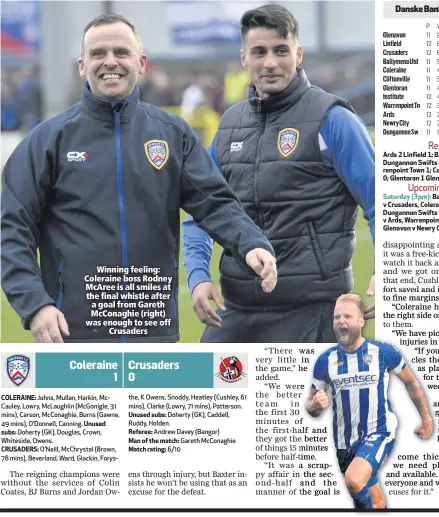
(231, 369)
(157, 152)
(287, 141)
(367, 359)
(18, 368)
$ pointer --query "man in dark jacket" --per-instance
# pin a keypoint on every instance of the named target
(301, 162)
(98, 190)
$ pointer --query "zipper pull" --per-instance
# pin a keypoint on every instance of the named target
(117, 112)
(259, 105)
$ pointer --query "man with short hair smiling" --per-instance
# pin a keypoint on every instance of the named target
(357, 370)
(112, 58)
(301, 162)
(100, 186)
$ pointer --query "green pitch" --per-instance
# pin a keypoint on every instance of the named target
(190, 328)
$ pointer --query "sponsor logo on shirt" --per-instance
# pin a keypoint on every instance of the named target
(77, 156)
(236, 146)
(353, 380)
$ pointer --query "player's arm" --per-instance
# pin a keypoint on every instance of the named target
(415, 392)
(197, 244)
(197, 250)
(345, 146)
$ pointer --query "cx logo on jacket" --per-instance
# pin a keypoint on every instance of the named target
(76, 156)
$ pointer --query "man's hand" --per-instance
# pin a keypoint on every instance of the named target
(320, 401)
(201, 295)
(425, 429)
(49, 325)
(264, 265)
(369, 311)
(317, 402)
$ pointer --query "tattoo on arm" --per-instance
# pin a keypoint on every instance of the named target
(417, 395)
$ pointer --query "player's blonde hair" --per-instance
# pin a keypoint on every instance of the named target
(352, 298)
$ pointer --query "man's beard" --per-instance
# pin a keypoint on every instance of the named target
(347, 338)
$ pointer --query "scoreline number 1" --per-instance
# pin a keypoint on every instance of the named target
(131, 376)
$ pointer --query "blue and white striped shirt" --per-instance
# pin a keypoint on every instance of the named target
(359, 382)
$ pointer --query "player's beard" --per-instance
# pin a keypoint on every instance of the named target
(349, 337)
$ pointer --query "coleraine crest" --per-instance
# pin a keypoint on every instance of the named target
(367, 359)
(18, 368)
(157, 152)
(287, 141)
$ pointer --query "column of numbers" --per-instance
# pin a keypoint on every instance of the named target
(430, 102)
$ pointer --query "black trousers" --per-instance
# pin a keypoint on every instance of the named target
(310, 323)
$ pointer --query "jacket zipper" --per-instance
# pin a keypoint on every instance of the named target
(123, 229)
(255, 179)
(256, 188)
